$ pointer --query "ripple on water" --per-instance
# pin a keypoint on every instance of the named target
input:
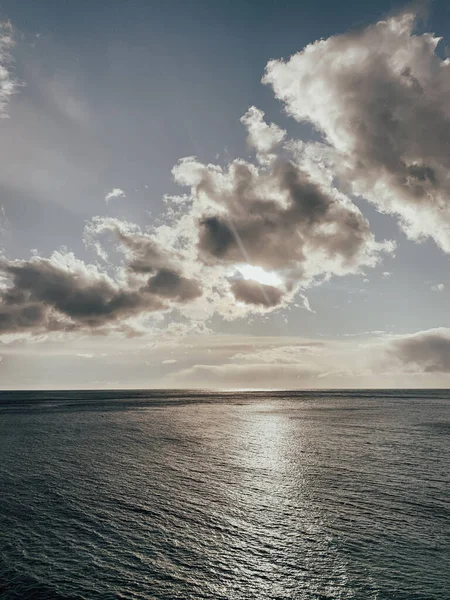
(227, 496)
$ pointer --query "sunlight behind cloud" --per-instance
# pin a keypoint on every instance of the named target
(260, 275)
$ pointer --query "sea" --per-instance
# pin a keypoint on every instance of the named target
(233, 495)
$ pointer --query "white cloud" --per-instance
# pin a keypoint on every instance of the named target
(439, 287)
(306, 303)
(114, 193)
(8, 84)
(381, 98)
(262, 137)
(4, 223)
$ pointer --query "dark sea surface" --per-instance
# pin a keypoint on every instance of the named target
(122, 494)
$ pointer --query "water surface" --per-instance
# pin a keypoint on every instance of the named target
(181, 495)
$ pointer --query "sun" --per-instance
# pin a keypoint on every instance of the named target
(259, 274)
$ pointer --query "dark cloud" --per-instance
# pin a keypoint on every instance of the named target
(169, 284)
(216, 237)
(42, 292)
(51, 294)
(280, 219)
(252, 292)
(427, 351)
(144, 254)
(422, 173)
(23, 317)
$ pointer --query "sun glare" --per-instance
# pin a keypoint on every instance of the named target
(260, 275)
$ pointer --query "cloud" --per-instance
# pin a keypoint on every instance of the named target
(113, 194)
(439, 287)
(426, 351)
(280, 223)
(251, 292)
(4, 222)
(143, 253)
(296, 363)
(278, 218)
(281, 218)
(262, 137)
(8, 85)
(169, 284)
(381, 98)
(306, 303)
(227, 361)
(244, 376)
(294, 353)
(64, 293)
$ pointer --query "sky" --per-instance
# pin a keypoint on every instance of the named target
(224, 194)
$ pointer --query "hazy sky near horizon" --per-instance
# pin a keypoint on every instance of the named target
(224, 194)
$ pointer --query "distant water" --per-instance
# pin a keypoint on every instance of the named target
(179, 495)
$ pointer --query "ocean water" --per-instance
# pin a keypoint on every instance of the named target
(183, 495)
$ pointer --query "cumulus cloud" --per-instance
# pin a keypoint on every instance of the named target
(381, 98)
(169, 284)
(252, 237)
(262, 137)
(439, 287)
(113, 194)
(64, 293)
(280, 219)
